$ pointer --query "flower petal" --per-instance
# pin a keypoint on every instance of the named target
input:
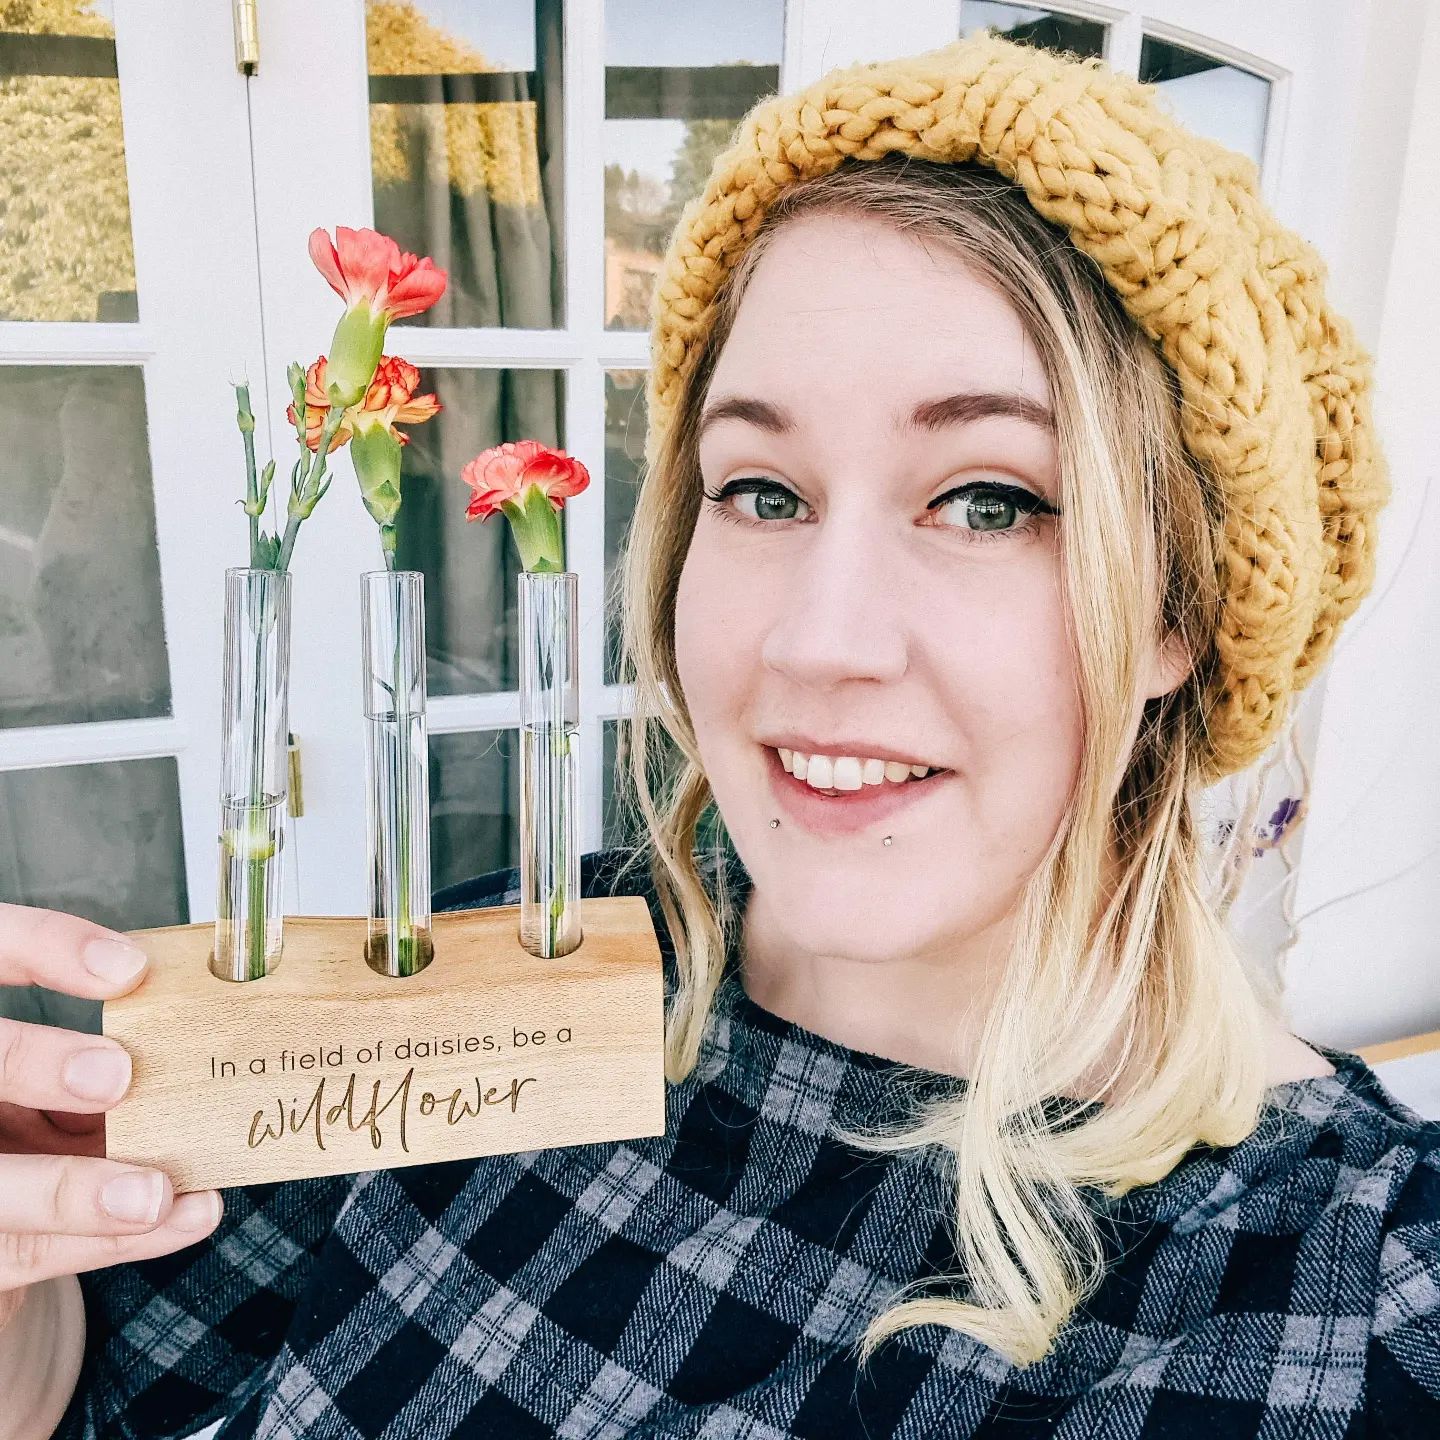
(422, 407)
(315, 393)
(414, 287)
(367, 259)
(559, 475)
(327, 262)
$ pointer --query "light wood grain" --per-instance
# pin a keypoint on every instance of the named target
(1399, 1049)
(277, 1078)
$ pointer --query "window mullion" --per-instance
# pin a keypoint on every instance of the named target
(1122, 43)
(584, 405)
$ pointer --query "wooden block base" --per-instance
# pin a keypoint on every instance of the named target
(326, 1067)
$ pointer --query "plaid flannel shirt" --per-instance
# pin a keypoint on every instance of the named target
(709, 1283)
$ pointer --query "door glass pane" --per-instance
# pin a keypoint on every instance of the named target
(102, 841)
(81, 628)
(470, 565)
(474, 804)
(614, 831)
(677, 79)
(1028, 25)
(1207, 95)
(465, 151)
(65, 247)
(622, 823)
(624, 455)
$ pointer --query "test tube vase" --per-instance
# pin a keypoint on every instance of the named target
(549, 763)
(327, 1067)
(332, 1066)
(254, 778)
(397, 789)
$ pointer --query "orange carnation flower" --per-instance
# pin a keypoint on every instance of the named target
(390, 400)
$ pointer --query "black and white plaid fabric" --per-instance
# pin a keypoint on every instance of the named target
(709, 1283)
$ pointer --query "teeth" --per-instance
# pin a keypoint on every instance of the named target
(820, 772)
(847, 772)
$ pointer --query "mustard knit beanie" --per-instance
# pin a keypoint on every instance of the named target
(1276, 390)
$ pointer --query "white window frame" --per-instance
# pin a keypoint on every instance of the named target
(333, 101)
(193, 260)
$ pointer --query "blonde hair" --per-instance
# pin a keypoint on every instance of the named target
(1119, 952)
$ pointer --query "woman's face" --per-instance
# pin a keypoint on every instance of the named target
(844, 599)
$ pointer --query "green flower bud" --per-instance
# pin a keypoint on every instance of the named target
(354, 353)
(535, 524)
(375, 453)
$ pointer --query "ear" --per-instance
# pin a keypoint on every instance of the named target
(1169, 664)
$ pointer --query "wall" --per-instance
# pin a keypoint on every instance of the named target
(1365, 967)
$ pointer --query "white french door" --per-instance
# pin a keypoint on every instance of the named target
(540, 151)
(128, 297)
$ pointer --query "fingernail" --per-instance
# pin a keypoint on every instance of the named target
(199, 1210)
(113, 960)
(97, 1074)
(134, 1196)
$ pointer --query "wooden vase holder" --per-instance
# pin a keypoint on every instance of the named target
(325, 1067)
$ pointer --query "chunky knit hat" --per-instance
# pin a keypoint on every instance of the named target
(1276, 390)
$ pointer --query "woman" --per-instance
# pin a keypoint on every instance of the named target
(983, 522)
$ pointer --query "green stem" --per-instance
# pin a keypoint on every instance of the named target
(252, 487)
(256, 928)
(310, 488)
(406, 945)
(559, 742)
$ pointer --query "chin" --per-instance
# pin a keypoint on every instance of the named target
(851, 923)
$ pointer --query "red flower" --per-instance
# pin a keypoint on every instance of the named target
(390, 400)
(529, 483)
(364, 265)
(503, 472)
(378, 284)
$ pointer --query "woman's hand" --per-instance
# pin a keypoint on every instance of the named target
(63, 1208)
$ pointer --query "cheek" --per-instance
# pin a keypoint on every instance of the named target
(1022, 726)
(711, 640)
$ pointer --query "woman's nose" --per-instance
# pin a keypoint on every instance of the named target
(835, 612)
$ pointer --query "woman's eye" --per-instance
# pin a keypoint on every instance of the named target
(992, 510)
(771, 500)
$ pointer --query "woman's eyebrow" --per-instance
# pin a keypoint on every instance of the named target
(928, 415)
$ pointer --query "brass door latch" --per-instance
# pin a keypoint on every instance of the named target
(297, 789)
(247, 35)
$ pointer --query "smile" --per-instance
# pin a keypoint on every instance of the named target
(834, 811)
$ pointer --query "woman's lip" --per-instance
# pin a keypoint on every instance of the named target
(849, 812)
